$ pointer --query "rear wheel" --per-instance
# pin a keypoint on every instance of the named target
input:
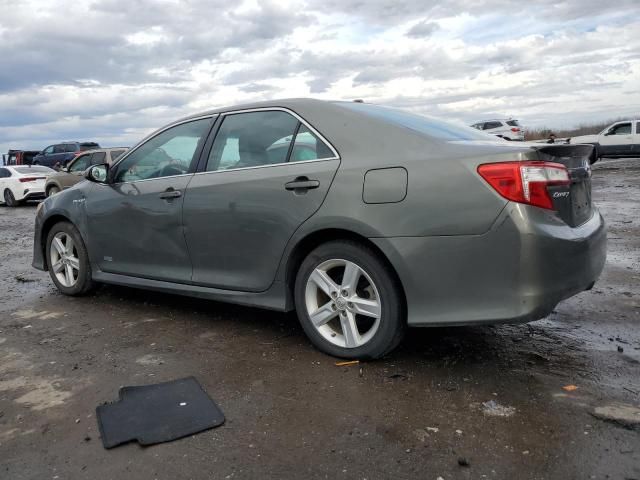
(348, 301)
(9, 199)
(52, 191)
(68, 260)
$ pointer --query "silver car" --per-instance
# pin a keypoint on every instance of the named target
(381, 220)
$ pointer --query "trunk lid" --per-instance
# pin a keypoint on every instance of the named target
(573, 202)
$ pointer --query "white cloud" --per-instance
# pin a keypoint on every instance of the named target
(111, 70)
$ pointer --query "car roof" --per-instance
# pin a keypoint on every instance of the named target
(103, 150)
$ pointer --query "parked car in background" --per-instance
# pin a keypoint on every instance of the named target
(384, 220)
(19, 157)
(508, 128)
(21, 183)
(62, 153)
(72, 173)
(622, 139)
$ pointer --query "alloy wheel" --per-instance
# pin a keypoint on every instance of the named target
(64, 261)
(343, 303)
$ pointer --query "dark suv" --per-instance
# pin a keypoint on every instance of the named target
(62, 153)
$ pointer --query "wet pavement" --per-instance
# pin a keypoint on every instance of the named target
(455, 403)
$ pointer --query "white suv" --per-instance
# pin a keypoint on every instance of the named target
(509, 128)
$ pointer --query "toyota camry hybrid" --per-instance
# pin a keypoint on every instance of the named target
(364, 219)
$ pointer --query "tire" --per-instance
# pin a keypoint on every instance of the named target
(52, 191)
(9, 199)
(72, 255)
(374, 336)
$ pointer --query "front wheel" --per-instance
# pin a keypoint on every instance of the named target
(51, 191)
(349, 302)
(68, 260)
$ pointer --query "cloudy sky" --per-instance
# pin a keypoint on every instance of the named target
(112, 70)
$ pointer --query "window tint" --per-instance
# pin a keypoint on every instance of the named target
(115, 154)
(168, 153)
(70, 147)
(489, 125)
(4, 173)
(638, 128)
(621, 129)
(81, 163)
(98, 158)
(252, 139)
(513, 123)
(88, 146)
(58, 149)
(48, 150)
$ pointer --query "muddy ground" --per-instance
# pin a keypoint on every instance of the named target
(291, 413)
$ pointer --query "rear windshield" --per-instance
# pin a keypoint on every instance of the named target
(433, 127)
(28, 170)
(513, 123)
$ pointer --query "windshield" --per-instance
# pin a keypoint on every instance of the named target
(434, 127)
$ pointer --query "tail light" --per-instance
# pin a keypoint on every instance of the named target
(30, 179)
(525, 182)
(515, 129)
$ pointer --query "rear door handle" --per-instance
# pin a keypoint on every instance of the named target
(302, 183)
(170, 193)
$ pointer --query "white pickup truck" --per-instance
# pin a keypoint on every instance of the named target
(622, 139)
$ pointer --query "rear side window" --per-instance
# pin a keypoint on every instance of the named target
(4, 173)
(308, 146)
(58, 149)
(638, 128)
(70, 147)
(513, 123)
(252, 139)
(427, 125)
(490, 125)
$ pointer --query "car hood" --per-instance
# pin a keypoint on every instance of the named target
(584, 139)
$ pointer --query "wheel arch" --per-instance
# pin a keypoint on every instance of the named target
(314, 239)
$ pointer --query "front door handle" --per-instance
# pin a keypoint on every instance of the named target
(302, 183)
(170, 193)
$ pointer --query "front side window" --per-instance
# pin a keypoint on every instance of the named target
(167, 154)
(621, 129)
(48, 150)
(81, 164)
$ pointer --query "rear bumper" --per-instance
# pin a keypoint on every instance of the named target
(518, 271)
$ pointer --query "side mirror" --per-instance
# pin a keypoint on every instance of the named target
(97, 173)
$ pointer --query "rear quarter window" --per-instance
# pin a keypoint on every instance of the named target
(433, 127)
(513, 123)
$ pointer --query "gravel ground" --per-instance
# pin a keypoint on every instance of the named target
(456, 403)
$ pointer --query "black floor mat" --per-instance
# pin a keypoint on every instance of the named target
(158, 413)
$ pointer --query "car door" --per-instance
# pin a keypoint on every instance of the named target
(242, 209)
(44, 157)
(135, 221)
(617, 140)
